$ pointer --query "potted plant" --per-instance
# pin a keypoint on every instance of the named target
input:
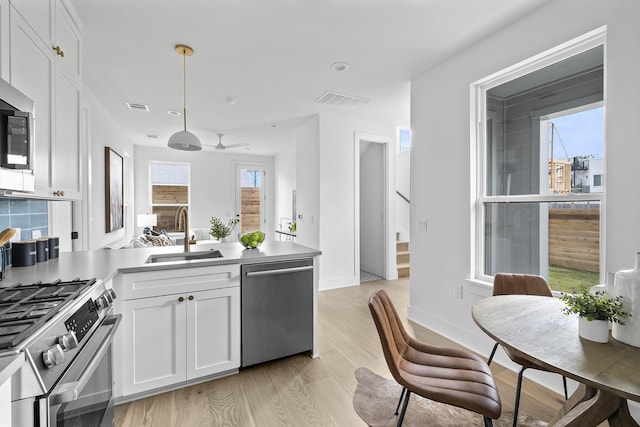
(219, 230)
(595, 311)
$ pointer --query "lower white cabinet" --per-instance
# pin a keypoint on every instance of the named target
(170, 339)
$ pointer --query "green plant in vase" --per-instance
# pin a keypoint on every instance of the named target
(219, 230)
(594, 306)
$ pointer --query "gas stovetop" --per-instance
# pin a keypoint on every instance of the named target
(25, 309)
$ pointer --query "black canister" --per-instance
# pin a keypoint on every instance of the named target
(23, 253)
(54, 247)
(42, 249)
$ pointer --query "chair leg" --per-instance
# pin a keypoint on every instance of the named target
(517, 404)
(564, 383)
(404, 408)
(493, 352)
(400, 400)
(488, 422)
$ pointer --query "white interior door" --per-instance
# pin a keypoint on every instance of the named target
(250, 197)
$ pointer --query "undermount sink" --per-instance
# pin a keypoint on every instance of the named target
(184, 256)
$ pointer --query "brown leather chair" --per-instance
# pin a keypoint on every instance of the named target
(521, 284)
(452, 376)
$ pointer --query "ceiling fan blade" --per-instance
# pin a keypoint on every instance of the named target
(221, 147)
(236, 145)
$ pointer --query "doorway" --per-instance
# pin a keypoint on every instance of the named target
(250, 197)
(372, 200)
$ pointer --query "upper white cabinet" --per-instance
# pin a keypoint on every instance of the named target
(45, 65)
(57, 25)
(32, 71)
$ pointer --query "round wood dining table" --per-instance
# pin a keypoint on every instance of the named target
(536, 328)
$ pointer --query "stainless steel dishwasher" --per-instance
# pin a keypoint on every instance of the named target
(277, 310)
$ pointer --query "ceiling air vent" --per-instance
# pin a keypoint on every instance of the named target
(341, 100)
(136, 106)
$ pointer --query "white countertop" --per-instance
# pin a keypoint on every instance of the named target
(104, 264)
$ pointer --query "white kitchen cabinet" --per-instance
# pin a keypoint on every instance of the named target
(168, 339)
(153, 337)
(41, 74)
(57, 26)
(32, 70)
(4, 39)
(213, 333)
(66, 150)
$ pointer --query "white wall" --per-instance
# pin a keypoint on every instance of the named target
(212, 183)
(308, 183)
(284, 182)
(339, 227)
(403, 185)
(444, 250)
(102, 131)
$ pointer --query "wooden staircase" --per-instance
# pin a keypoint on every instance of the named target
(402, 257)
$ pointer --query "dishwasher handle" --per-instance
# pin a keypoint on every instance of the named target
(279, 271)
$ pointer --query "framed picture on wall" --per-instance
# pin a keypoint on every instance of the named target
(114, 200)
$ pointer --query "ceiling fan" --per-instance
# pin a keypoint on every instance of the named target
(220, 146)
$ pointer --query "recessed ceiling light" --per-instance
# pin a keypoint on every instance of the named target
(340, 66)
(152, 136)
(274, 125)
(231, 100)
(174, 113)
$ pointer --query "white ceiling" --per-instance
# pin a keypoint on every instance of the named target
(273, 56)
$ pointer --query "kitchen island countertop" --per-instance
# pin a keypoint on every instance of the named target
(105, 264)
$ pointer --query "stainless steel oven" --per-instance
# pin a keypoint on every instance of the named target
(84, 394)
(65, 330)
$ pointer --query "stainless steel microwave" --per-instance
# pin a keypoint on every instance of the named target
(16, 139)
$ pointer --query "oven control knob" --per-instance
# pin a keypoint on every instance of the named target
(111, 293)
(53, 356)
(102, 302)
(68, 341)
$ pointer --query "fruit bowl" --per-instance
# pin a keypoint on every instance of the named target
(252, 240)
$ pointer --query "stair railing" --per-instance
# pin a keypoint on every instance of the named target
(403, 197)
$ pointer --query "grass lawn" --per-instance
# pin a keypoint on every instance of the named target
(565, 279)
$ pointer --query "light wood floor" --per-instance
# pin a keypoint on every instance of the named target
(300, 391)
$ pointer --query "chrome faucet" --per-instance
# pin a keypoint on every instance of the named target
(184, 218)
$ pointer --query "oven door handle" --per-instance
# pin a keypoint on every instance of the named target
(71, 391)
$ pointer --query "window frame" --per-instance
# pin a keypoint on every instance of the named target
(188, 185)
(479, 155)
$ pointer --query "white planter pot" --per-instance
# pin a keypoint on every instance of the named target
(595, 330)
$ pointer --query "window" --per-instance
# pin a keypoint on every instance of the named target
(405, 140)
(540, 136)
(169, 193)
(597, 180)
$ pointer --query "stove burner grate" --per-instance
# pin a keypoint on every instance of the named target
(26, 308)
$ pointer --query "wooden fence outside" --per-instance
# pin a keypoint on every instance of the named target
(250, 209)
(574, 238)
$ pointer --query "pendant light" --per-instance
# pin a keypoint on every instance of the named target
(184, 140)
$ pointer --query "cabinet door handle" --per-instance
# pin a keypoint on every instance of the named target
(58, 51)
(58, 193)
(180, 299)
(190, 297)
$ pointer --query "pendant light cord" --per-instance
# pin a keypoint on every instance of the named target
(184, 86)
